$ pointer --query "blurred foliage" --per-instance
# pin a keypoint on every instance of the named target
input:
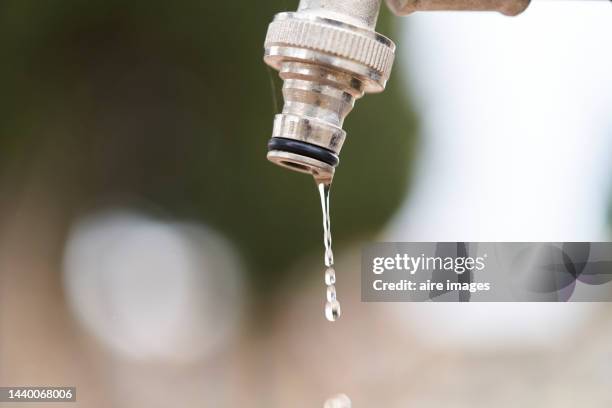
(171, 102)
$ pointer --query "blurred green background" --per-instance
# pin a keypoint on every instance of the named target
(168, 105)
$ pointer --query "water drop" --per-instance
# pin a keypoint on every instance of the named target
(331, 293)
(338, 401)
(330, 276)
(332, 310)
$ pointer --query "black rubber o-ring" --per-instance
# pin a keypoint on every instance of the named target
(304, 149)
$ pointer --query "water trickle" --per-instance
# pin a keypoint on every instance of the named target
(324, 188)
(332, 306)
(330, 276)
(331, 293)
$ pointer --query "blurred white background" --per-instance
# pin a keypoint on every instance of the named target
(516, 146)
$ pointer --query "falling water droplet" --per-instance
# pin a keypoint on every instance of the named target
(338, 401)
(331, 293)
(330, 276)
(332, 310)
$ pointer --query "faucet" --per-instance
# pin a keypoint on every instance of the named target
(329, 55)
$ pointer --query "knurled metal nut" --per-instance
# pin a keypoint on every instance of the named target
(375, 51)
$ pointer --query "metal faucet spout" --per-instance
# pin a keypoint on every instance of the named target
(328, 55)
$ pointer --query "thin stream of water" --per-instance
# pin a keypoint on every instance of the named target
(324, 189)
(332, 306)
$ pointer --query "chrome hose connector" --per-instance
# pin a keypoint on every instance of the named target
(328, 55)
